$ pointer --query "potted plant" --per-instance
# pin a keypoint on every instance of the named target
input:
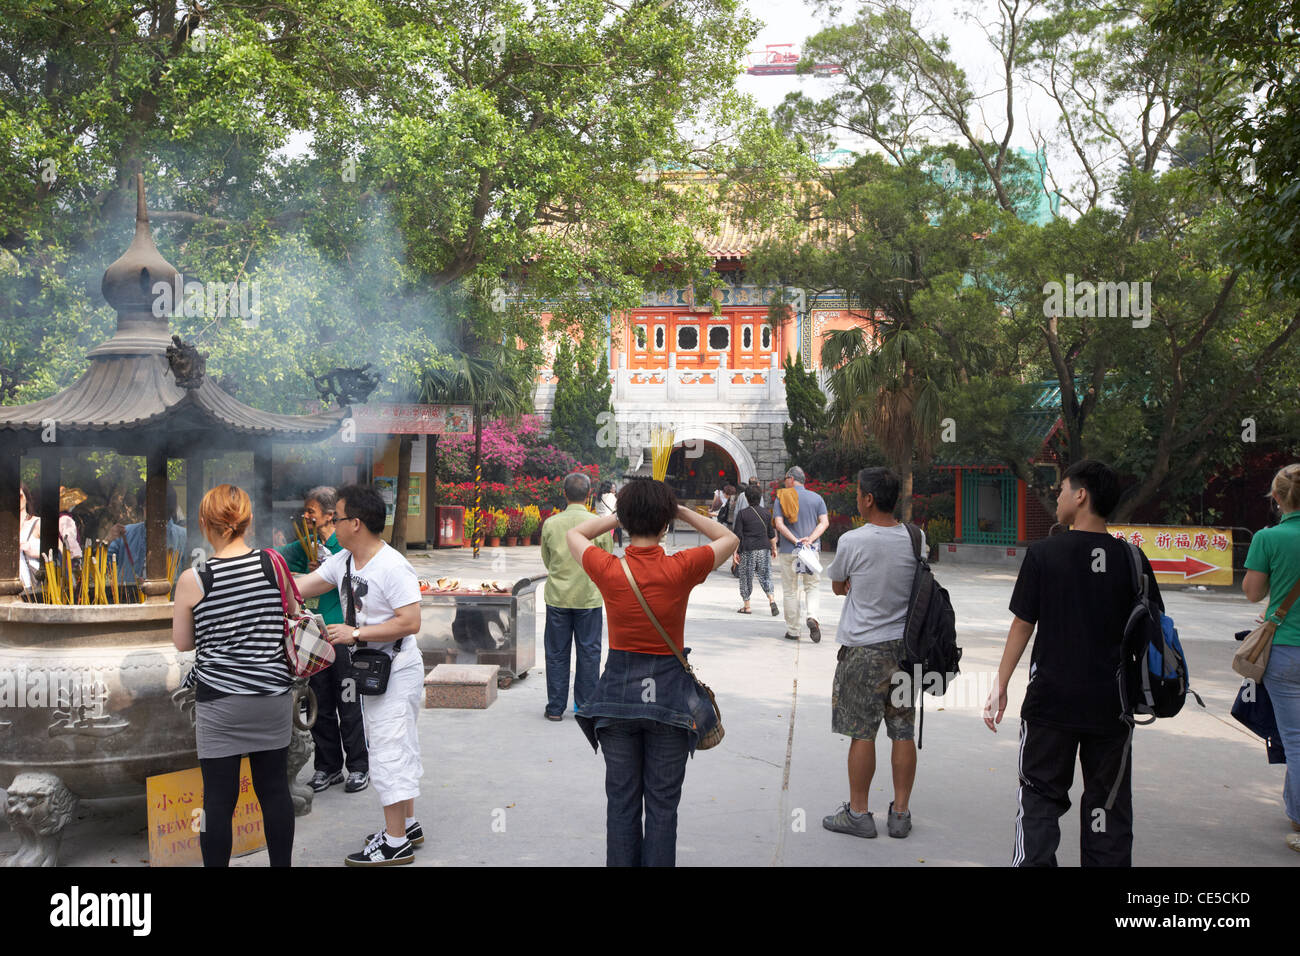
(532, 523)
(495, 526)
(471, 516)
(514, 525)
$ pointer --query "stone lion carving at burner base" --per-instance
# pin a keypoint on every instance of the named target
(302, 746)
(301, 749)
(37, 808)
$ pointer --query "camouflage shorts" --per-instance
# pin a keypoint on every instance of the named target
(861, 694)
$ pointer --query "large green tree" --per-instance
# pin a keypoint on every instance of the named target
(898, 242)
(1248, 52)
(354, 158)
(807, 405)
(1167, 401)
(582, 393)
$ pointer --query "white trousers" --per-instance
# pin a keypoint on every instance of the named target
(392, 736)
(792, 585)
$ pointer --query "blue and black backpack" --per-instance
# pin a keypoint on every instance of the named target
(1152, 675)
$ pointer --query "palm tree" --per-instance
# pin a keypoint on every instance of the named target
(879, 392)
(487, 375)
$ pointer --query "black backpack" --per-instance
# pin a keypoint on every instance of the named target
(930, 652)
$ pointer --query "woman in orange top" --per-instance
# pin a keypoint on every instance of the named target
(639, 713)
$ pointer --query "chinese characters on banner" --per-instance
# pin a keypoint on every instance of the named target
(413, 419)
(1181, 555)
(175, 817)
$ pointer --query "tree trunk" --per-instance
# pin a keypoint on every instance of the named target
(403, 493)
(905, 474)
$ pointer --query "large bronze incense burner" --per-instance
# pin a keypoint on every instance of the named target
(89, 701)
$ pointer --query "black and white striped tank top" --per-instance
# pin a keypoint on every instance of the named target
(239, 629)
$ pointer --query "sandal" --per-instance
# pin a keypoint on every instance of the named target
(744, 610)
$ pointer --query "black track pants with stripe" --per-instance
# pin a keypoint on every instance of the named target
(1047, 756)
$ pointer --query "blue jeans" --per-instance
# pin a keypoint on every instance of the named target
(1282, 681)
(645, 766)
(564, 625)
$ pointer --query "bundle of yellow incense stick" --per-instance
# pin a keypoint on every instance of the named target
(661, 441)
(92, 586)
(308, 539)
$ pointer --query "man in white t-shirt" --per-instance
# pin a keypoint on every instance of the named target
(874, 568)
(383, 610)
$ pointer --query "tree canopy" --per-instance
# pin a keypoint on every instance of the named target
(354, 159)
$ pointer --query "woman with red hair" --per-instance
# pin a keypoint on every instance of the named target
(228, 611)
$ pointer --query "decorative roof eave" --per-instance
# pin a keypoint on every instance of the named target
(131, 385)
(123, 394)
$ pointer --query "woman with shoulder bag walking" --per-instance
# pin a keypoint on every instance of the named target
(230, 613)
(641, 711)
(1273, 570)
(757, 550)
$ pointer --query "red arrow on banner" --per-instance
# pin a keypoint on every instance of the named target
(1189, 566)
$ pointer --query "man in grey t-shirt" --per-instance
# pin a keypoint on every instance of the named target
(874, 567)
(800, 517)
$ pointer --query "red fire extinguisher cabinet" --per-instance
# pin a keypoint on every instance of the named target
(449, 525)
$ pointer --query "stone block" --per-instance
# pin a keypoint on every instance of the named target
(471, 686)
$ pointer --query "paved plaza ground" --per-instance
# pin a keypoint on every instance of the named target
(505, 787)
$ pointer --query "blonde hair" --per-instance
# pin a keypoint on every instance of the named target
(226, 510)
(1286, 485)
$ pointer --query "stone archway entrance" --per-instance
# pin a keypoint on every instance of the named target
(698, 468)
(703, 435)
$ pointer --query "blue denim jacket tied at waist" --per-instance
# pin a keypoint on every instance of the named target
(650, 686)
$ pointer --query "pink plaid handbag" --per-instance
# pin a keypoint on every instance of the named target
(305, 640)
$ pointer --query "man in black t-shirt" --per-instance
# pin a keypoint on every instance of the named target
(1077, 588)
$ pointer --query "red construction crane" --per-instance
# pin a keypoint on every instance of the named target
(781, 59)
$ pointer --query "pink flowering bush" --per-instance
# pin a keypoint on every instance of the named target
(505, 446)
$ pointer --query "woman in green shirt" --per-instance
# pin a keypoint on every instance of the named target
(338, 724)
(1272, 569)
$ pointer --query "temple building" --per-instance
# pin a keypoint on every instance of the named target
(713, 372)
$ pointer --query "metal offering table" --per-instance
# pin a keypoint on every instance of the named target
(475, 626)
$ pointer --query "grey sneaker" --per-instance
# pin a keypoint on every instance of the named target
(900, 824)
(321, 780)
(841, 821)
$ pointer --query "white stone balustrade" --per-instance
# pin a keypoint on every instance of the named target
(712, 384)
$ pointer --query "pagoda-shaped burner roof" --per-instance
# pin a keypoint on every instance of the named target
(129, 396)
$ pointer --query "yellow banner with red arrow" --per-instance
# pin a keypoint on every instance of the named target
(1182, 555)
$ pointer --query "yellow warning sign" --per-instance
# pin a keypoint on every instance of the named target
(1182, 555)
(176, 817)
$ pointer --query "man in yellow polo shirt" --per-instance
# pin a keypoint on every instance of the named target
(573, 605)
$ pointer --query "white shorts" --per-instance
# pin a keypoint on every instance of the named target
(392, 736)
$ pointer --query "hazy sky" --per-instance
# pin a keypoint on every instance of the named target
(791, 21)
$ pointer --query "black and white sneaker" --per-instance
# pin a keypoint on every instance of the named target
(357, 781)
(377, 852)
(414, 833)
(321, 780)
